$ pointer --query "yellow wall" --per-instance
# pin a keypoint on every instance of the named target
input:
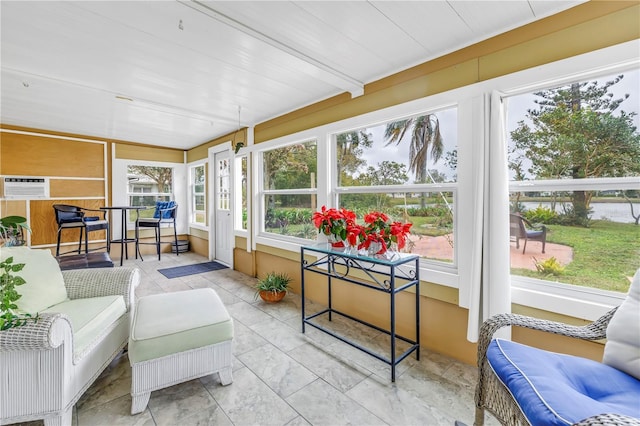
(148, 153)
(202, 151)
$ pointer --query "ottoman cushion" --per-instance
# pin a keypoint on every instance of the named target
(165, 324)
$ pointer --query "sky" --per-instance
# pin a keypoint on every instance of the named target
(516, 110)
(400, 152)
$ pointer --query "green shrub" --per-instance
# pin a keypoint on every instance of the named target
(549, 267)
(541, 215)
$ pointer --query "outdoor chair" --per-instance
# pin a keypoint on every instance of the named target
(518, 230)
(523, 385)
(164, 214)
(74, 217)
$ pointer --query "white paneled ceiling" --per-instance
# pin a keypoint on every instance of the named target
(176, 73)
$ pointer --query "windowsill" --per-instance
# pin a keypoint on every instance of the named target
(571, 300)
(199, 226)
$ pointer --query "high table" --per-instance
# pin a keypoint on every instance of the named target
(387, 275)
(123, 240)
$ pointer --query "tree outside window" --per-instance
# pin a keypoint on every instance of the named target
(578, 148)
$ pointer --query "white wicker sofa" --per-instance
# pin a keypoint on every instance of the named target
(84, 323)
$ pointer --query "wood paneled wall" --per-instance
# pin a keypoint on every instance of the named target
(36, 155)
(76, 169)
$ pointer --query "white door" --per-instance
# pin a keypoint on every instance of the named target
(222, 208)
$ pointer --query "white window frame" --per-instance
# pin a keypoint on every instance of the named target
(237, 221)
(120, 195)
(566, 299)
(192, 195)
(269, 238)
(452, 187)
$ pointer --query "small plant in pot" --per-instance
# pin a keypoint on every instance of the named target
(273, 287)
(12, 230)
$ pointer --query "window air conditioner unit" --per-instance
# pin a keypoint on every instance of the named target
(25, 188)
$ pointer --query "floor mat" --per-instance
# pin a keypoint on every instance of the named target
(198, 268)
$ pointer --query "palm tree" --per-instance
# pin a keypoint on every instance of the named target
(425, 138)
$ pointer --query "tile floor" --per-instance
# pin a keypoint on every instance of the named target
(281, 376)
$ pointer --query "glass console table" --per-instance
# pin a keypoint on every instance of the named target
(391, 276)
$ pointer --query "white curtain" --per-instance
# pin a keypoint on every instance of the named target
(489, 279)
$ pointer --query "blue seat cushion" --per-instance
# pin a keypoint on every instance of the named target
(559, 389)
(69, 217)
(533, 234)
(161, 205)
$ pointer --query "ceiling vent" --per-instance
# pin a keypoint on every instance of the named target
(25, 188)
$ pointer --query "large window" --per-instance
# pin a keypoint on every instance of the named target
(574, 157)
(289, 190)
(148, 184)
(407, 169)
(198, 195)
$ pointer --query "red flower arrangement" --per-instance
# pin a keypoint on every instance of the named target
(334, 222)
(341, 223)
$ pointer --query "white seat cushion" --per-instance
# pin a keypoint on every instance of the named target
(170, 323)
(44, 285)
(622, 350)
(90, 318)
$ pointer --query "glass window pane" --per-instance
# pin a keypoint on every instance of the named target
(290, 215)
(223, 195)
(431, 213)
(291, 167)
(601, 251)
(198, 196)
(243, 186)
(159, 179)
(582, 130)
(420, 149)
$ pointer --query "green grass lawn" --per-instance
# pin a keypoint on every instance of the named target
(606, 254)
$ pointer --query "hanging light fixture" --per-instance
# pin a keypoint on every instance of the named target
(240, 144)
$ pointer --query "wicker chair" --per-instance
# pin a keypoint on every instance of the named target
(519, 231)
(42, 376)
(491, 393)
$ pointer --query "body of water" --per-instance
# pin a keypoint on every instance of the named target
(615, 212)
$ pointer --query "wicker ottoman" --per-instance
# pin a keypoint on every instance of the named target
(176, 337)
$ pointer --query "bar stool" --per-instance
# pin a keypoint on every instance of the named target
(165, 213)
(70, 217)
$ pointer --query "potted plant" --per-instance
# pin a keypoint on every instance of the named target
(273, 287)
(11, 230)
(333, 223)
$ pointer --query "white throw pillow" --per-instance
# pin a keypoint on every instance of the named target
(44, 283)
(622, 350)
